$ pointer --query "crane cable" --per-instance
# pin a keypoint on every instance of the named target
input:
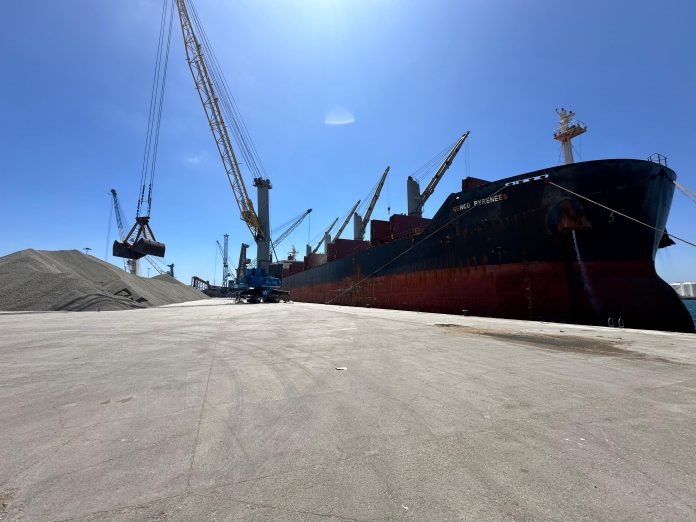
(108, 230)
(227, 102)
(319, 235)
(366, 199)
(281, 228)
(147, 173)
(433, 163)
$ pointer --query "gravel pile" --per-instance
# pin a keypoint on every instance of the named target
(39, 280)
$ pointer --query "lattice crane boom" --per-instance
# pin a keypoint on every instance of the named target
(129, 265)
(211, 107)
(225, 261)
(119, 216)
(156, 266)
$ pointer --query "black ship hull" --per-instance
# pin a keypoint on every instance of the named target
(525, 248)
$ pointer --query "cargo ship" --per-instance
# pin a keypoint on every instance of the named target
(573, 243)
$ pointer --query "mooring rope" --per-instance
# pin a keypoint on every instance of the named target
(686, 191)
(617, 212)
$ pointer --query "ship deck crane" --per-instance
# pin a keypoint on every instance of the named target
(416, 199)
(293, 225)
(360, 223)
(345, 222)
(325, 236)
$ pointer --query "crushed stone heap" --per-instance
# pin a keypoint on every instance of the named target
(44, 280)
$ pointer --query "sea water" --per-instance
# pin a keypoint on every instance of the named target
(691, 307)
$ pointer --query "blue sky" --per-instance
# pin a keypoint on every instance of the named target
(413, 75)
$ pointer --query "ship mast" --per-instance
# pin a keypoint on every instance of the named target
(567, 130)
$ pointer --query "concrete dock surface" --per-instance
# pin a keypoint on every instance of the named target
(220, 411)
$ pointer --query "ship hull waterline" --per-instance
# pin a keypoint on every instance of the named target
(519, 291)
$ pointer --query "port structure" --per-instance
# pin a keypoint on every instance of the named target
(129, 265)
(223, 252)
(416, 199)
(567, 130)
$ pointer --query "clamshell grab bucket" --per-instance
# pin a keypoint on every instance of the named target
(120, 249)
(140, 245)
(148, 247)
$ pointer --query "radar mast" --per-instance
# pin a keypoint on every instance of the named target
(567, 130)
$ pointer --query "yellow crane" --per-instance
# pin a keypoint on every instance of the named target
(208, 82)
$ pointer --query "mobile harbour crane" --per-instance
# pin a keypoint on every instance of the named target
(226, 122)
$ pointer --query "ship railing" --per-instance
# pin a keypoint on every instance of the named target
(658, 158)
(570, 126)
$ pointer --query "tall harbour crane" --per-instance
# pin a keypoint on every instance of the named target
(416, 200)
(225, 265)
(129, 265)
(360, 223)
(218, 103)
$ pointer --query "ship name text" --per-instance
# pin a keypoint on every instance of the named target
(478, 202)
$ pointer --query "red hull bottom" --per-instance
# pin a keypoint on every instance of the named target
(600, 293)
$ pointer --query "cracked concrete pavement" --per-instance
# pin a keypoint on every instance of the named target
(217, 411)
